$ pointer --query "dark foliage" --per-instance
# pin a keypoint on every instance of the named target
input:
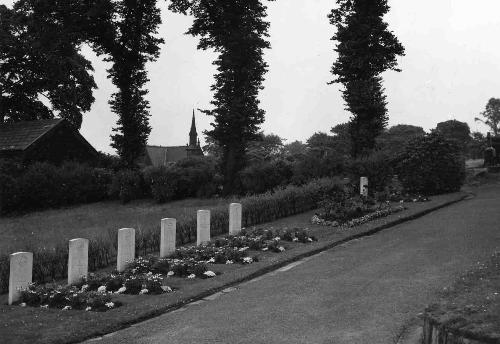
(127, 185)
(378, 167)
(40, 42)
(366, 48)
(431, 165)
(236, 30)
(267, 175)
(132, 45)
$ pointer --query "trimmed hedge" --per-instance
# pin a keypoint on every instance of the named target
(51, 264)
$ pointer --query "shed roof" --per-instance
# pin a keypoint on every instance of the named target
(20, 135)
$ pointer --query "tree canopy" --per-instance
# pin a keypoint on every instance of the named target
(491, 115)
(237, 31)
(366, 48)
(42, 73)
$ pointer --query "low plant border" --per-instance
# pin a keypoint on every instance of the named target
(273, 266)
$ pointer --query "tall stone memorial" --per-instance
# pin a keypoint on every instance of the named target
(363, 186)
(202, 227)
(126, 248)
(167, 237)
(78, 260)
(235, 218)
(20, 276)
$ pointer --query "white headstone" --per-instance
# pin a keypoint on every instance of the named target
(202, 227)
(167, 239)
(20, 276)
(363, 186)
(234, 218)
(78, 260)
(126, 248)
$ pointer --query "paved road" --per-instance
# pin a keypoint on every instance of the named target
(362, 292)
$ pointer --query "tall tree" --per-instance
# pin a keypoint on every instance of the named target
(133, 45)
(42, 73)
(366, 48)
(456, 131)
(236, 30)
(491, 115)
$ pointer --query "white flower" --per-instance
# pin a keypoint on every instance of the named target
(243, 249)
(229, 261)
(265, 249)
(209, 274)
(44, 306)
(309, 239)
(170, 273)
(109, 304)
(401, 201)
(166, 288)
(191, 276)
(295, 239)
(211, 260)
(281, 248)
(23, 304)
(66, 308)
(101, 289)
(84, 287)
(143, 291)
(121, 290)
(88, 309)
(248, 260)
(277, 238)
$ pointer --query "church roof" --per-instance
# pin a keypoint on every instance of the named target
(20, 135)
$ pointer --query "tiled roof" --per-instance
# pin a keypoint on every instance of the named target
(176, 153)
(20, 135)
(160, 155)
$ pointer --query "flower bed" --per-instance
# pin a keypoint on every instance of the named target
(317, 220)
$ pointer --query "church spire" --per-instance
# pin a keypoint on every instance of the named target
(193, 135)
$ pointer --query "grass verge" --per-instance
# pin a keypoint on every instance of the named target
(471, 306)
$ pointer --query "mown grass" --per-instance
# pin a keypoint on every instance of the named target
(45, 229)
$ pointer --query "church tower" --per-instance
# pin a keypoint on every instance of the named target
(193, 135)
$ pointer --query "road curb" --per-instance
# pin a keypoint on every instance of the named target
(272, 267)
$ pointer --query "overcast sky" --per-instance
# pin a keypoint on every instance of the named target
(451, 69)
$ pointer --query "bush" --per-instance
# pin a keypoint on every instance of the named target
(431, 165)
(162, 182)
(266, 175)
(42, 185)
(127, 185)
(377, 167)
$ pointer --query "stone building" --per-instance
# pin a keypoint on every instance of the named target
(161, 155)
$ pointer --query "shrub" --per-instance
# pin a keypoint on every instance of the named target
(196, 177)
(127, 185)
(162, 182)
(378, 167)
(266, 175)
(431, 165)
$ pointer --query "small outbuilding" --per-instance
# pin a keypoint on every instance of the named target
(50, 140)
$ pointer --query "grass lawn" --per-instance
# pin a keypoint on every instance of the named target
(472, 304)
(46, 228)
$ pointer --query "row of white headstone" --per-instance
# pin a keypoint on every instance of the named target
(21, 263)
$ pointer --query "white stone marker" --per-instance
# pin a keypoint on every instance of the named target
(363, 186)
(234, 218)
(20, 276)
(126, 248)
(202, 227)
(167, 238)
(78, 260)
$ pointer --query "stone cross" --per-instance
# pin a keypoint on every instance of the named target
(20, 276)
(202, 227)
(234, 218)
(363, 186)
(167, 239)
(126, 248)
(78, 260)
